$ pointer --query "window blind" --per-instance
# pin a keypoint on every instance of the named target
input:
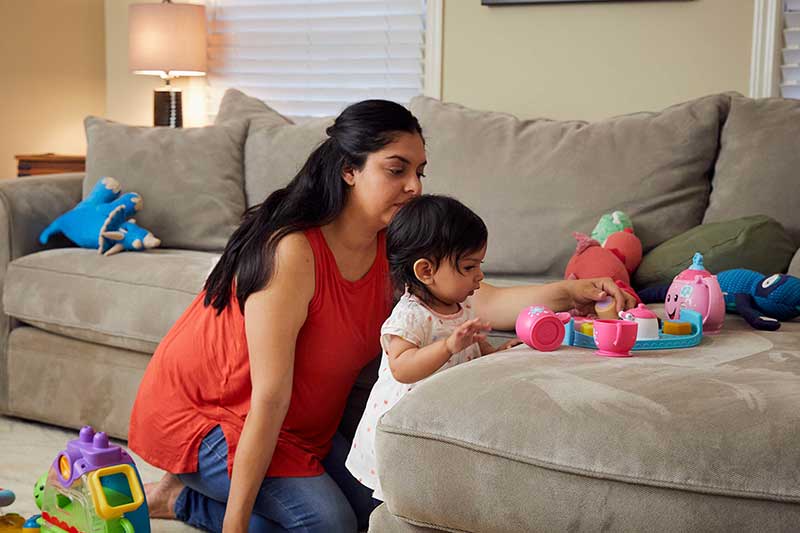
(790, 88)
(314, 57)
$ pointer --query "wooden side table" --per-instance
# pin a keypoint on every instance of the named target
(39, 164)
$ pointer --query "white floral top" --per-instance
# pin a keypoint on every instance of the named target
(415, 322)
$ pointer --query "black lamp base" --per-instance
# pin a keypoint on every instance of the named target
(167, 109)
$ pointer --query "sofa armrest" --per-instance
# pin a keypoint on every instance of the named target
(27, 206)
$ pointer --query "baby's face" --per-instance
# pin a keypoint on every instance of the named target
(454, 283)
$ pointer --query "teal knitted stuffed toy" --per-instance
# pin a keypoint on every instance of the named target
(762, 300)
(103, 221)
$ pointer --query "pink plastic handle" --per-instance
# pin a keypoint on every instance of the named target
(619, 332)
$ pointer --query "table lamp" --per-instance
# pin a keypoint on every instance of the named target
(167, 40)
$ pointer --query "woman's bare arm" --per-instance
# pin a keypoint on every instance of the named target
(500, 306)
(273, 318)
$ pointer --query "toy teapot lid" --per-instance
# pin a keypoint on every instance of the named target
(697, 269)
(641, 311)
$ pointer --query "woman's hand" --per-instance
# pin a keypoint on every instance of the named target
(586, 292)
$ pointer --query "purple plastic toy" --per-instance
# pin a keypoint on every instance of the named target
(89, 452)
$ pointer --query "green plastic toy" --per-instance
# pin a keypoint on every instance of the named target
(611, 223)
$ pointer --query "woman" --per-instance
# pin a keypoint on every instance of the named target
(243, 397)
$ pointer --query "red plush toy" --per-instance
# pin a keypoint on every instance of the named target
(617, 259)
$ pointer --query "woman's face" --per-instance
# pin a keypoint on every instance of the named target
(390, 178)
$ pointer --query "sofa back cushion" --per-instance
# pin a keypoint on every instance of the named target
(535, 182)
(758, 168)
(190, 179)
(276, 148)
(758, 243)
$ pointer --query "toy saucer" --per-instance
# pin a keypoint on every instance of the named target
(606, 353)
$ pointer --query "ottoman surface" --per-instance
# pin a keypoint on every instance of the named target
(670, 440)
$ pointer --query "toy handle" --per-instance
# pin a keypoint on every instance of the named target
(619, 332)
(126, 525)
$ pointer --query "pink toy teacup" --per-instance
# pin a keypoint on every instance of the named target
(540, 328)
(615, 338)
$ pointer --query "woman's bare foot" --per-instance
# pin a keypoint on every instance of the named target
(161, 496)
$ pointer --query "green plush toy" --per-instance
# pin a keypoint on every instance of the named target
(611, 223)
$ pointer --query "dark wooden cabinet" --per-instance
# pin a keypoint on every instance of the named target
(39, 164)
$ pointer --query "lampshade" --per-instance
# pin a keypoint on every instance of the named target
(167, 39)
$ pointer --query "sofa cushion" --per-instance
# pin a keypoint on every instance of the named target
(190, 179)
(794, 268)
(536, 181)
(235, 105)
(276, 148)
(757, 242)
(669, 440)
(757, 169)
(129, 300)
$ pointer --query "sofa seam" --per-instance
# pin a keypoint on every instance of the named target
(88, 277)
(598, 474)
(23, 317)
(65, 357)
(423, 523)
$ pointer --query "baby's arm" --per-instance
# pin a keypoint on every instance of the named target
(410, 363)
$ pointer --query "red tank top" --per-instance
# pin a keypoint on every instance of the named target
(199, 376)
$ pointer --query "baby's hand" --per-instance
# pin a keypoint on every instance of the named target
(466, 334)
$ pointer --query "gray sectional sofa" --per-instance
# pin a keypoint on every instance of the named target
(703, 439)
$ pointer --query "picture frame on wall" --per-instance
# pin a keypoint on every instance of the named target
(521, 2)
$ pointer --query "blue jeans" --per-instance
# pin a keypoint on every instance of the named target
(331, 502)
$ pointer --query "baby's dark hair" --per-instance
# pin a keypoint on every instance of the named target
(433, 227)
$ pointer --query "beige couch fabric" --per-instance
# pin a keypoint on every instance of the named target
(190, 179)
(536, 181)
(758, 169)
(129, 300)
(530, 441)
(276, 148)
(69, 382)
(26, 208)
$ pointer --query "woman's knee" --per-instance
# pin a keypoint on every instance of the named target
(324, 520)
(305, 505)
(339, 517)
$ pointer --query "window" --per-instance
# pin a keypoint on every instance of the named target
(314, 57)
(790, 88)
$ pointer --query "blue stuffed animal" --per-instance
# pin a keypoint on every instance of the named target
(128, 237)
(762, 300)
(101, 221)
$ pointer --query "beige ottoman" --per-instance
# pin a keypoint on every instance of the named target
(702, 439)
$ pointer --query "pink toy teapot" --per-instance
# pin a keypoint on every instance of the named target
(647, 320)
(697, 289)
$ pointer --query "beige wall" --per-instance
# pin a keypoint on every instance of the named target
(129, 97)
(593, 60)
(53, 75)
(585, 60)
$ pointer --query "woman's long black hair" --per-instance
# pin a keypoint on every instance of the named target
(314, 197)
